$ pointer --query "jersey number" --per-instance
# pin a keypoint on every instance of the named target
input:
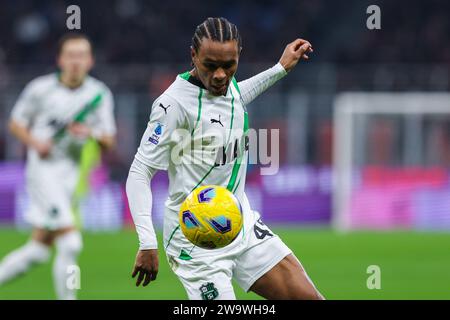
(261, 233)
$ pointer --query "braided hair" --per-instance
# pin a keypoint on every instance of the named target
(216, 29)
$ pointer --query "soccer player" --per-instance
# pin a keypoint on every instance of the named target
(55, 116)
(208, 103)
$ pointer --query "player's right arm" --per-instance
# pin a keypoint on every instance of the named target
(140, 201)
(23, 135)
(22, 115)
(153, 154)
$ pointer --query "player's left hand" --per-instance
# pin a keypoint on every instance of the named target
(294, 52)
(79, 130)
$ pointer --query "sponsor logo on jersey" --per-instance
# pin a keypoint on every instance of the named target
(164, 108)
(236, 148)
(217, 121)
(154, 138)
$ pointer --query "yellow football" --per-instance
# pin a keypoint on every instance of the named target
(211, 217)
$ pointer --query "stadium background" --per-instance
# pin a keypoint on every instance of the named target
(399, 216)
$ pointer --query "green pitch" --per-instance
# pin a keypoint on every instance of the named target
(413, 266)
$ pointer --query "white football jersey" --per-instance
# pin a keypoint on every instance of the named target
(200, 139)
(45, 106)
(212, 144)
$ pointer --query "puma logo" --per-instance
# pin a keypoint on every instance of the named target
(217, 121)
(164, 108)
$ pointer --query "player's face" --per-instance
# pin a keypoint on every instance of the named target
(75, 59)
(216, 63)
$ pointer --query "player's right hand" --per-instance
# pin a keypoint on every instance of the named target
(146, 266)
(43, 148)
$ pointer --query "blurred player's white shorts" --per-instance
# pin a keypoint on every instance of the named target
(207, 274)
(51, 189)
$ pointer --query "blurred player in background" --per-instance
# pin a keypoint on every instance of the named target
(205, 100)
(55, 117)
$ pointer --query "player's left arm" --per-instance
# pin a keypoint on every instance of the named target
(293, 53)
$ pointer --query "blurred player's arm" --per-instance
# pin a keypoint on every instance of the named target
(254, 86)
(23, 134)
(22, 115)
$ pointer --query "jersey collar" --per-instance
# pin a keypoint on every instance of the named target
(195, 81)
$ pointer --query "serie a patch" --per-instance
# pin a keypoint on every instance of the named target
(154, 138)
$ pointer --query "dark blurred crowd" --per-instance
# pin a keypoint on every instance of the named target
(138, 31)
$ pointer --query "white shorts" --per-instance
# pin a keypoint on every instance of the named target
(209, 277)
(51, 189)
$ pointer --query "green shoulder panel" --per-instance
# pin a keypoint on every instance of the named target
(186, 75)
